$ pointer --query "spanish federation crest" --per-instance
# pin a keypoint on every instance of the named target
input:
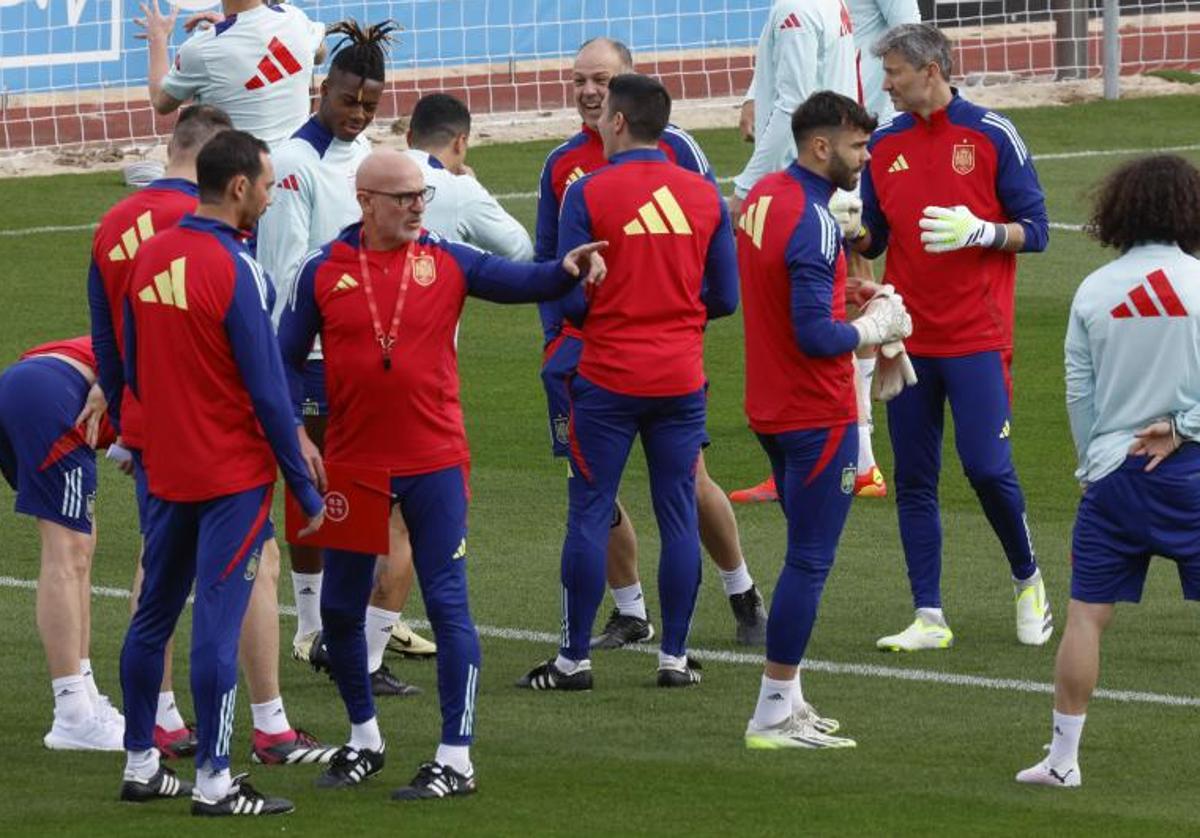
(848, 475)
(963, 160)
(562, 429)
(251, 567)
(424, 271)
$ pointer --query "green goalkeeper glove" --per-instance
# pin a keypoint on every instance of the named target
(953, 228)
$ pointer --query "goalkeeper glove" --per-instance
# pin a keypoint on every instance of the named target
(893, 372)
(846, 209)
(883, 320)
(953, 228)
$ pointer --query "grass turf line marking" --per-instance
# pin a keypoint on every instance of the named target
(525, 196)
(861, 670)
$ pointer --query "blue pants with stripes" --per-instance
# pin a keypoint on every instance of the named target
(977, 388)
(217, 543)
(814, 474)
(434, 507)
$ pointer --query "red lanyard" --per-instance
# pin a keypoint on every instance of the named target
(388, 341)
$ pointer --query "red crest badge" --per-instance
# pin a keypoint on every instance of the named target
(424, 271)
(963, 160)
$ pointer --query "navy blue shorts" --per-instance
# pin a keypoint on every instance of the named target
(1129, 516)
(43, 457)
(316, 403)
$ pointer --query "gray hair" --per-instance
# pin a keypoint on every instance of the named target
(622, 51)
(920, 44)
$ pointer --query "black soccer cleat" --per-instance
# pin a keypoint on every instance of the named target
(383, 682)
(547, 676)
(751, 616)
(434, 781)
(623, 629)
(689, 676)
(242, 799)
(164, 785)
(318, 654)
(350, 767)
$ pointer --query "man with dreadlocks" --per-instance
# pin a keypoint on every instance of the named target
(255, 63)
(313, 201)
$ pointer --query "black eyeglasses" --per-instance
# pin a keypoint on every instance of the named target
(405, 199)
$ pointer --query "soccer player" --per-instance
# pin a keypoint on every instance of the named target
(201, 358)
(805, 47)
(122, 232)
(256, 64)
(596, 63)
(672, 268)
(1133, 398)
(952, 194)
(800, 395)
(462, 210)
(386, 297)
(51, 420)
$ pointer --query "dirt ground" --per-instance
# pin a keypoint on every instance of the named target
(502, 128)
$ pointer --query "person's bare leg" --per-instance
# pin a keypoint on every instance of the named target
(394, 574)
(258, 647)
(629, 623)
(65, 557)
(621, 560)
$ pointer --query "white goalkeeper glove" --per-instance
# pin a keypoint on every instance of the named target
(953, 228)
(893, 372)
(883, 320)
(846, 209)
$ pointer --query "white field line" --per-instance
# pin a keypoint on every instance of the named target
(527, 196)
(861, 670)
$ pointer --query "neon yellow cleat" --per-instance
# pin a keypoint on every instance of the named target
(796, 731)
(407, 643)
(922, 634)
(1035, 623)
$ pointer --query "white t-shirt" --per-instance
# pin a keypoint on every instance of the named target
(256, 66)
(805, 46)
(463, 211)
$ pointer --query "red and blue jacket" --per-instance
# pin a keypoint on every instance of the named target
(961, 302)
(201, 356)
(799, 347)
(671, 268)
(122, 232)
(579, 156)
(407, 418)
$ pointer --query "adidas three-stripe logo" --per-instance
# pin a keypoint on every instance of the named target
(170, 285)
(72, 503)
(651, 220)
(791, 22)
(277, 64)
(346, 283)
(754, 219)
(898, 165)
(1141, 303)
(290, 183)
(133, 238)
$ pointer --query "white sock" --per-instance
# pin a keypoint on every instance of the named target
(167, 716)
(1064, 747)
(774, 702)
(932, 615)
(866, 456)
(213, 785)
(379, 629)
(72, 706)
(568, 667)
(797, 692)
(666, 661)
(630, 601)
(736, 581)
(366, 736)
(141, 765)
(866, 371)
(270, 717)
(457, 757)
(307, 589)
(89, 680)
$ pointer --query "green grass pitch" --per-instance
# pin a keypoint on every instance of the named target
(934, 757)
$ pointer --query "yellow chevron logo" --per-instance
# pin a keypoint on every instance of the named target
(754, 219)
(575, 175)
(346, 283)
(132, 239)
(169, 287)
(461, 552)
(1006, 431)
(898, 165)
(660, 216)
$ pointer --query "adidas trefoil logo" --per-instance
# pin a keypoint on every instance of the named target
(346, 283)
(651, 217)
(133, 238)
(171, 286)
(898, 165)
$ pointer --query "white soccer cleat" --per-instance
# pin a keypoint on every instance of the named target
(796, 731)
(109, 714)
(922, 634)
(809, 713)
(1043, 774)
(1035, 624)
(94, 734)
